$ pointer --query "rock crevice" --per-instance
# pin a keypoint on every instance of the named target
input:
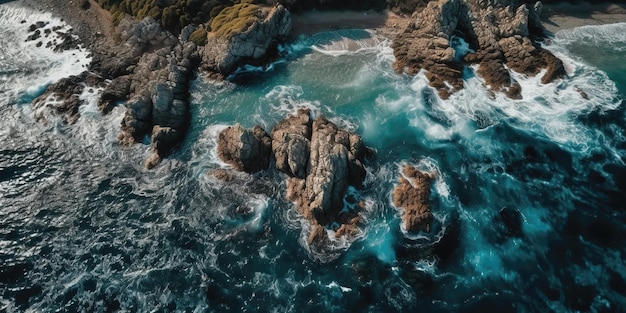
(499, 32)
(321, 160)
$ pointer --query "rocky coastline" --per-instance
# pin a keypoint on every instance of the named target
(146, 66)
(147, 63)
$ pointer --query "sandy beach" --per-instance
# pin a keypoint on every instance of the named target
(556, 17)
(385, 23)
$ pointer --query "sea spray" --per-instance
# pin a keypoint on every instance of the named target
(98, 232)
(27, 69)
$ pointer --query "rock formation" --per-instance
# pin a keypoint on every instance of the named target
(498, 31)
(225, 49)
(63, 97)
(247, 150)
(412, 195)
(321, 160)
(150, 68)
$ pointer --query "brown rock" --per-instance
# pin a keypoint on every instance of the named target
(222, 174)
(291, 141)
(224, 53)
(246, 150)
(65, 97)
(498, 30)
(412, 195)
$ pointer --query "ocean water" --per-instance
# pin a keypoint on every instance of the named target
(84, 227)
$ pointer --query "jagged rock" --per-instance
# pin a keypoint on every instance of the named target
(118, 89)
(412, 195)
(335, 162)
(247, 150)
(164, 139)
(64, 96)
(291, 143)
(137, 121)
(497, 30)
(69, 42)
(321, 160)
(151, 67)
(223, 53)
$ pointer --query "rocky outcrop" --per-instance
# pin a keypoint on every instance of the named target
(498, 31)
(63, 97)
(247, 150)
(291, 144)
(117, 90)
(224, 52)
(335, 161)
(151, 69)
(321, 160)
(412, 195)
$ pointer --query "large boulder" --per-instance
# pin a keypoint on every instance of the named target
(247, 150)
(291, 144)
(335, 163)
(321, 160)
(118, 89)
(227, 47)
(497, 30)
(412, 195)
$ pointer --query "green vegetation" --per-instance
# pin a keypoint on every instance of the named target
(173, 15)
(235, 19)
(230, 16)
(198, 36)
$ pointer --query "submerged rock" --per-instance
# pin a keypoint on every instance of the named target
(63, 97)
(498, 32)
(512, 219)
(412, 194)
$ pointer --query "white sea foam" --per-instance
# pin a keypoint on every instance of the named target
(26, 68)
(343, 43)
(595, 35)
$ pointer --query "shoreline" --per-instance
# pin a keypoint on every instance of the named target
(94, 26)
(556, 17)
(384, 23)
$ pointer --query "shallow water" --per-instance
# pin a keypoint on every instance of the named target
(84, 227)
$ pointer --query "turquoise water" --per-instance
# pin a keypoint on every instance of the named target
(84, 227)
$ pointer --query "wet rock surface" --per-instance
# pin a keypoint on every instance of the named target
(321, 160)
(412, 195)
(63, 97)
(499, 32)
(246, 150)
(224, 53)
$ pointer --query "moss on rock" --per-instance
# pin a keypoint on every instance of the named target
(235, 19)
(198, 36)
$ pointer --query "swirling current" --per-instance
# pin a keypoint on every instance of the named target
(85, 227)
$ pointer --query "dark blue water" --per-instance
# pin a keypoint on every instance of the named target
(528, 200)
